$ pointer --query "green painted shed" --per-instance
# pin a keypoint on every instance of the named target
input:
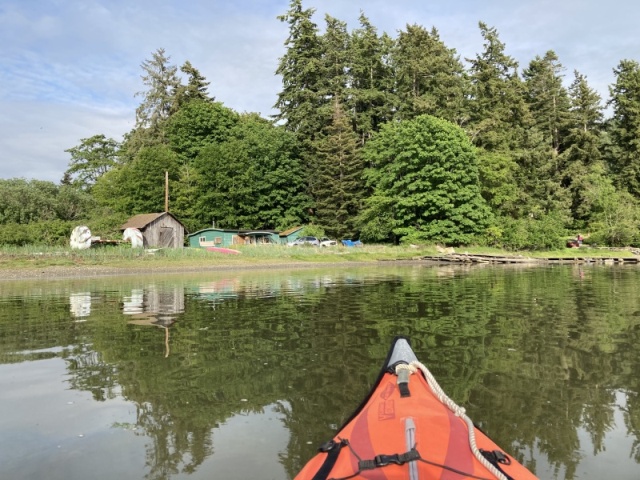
(221, 237)
(213, 237)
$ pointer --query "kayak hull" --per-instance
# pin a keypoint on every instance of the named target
(415, 436)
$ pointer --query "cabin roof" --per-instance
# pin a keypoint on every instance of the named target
(290, 231)
(144, 219)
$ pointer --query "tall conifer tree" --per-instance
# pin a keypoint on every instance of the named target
(624, 126)
(583, 159)
(547, 98)
(337, 184)
(371, 79)
(159, 101)
(498, 111)
(430, 77)
(300, 69)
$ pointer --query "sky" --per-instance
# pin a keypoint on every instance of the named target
(70, 69)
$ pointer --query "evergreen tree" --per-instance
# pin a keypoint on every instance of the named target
(334, 63)
(498, 113)
(94, 157)
(300, 69)
(195, 89)
(501, 123)
(430, 77)
(583, 158)
(542, 166)
(371, 79)
(624, 126)
(159, 101)
(548, 100)
(497, 172)
(337, 185)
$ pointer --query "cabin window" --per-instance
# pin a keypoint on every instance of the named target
(217, 240)
(202, 239)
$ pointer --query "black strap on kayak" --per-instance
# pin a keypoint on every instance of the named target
(332, 448)
(384, 460)
(497, 458)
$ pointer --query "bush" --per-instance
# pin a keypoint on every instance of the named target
(52, 233)
(544, 233)
(313, 231)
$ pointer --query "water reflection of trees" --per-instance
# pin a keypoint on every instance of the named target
(534, 355)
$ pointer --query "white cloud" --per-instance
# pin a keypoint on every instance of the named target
(69, 70)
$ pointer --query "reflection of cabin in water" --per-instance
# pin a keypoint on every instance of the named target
(154, 306)
(221, 237)
(159, 230)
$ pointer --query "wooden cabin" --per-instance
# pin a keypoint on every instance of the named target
(213, 237)
(159, 230)
(222, 237)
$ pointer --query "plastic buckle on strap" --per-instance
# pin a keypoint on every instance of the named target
(383, 460)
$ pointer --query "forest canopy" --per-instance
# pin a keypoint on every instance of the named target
(379, 137)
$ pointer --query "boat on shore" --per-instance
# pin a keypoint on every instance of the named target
(407, 428)
(227, 251)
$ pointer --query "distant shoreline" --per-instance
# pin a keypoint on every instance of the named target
(59, 272)
(28, 264)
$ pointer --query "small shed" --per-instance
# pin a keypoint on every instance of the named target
(159, 230)
(221, 237)
(214, 237)
(290, 235)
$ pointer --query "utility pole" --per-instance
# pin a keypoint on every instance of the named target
(166, 191)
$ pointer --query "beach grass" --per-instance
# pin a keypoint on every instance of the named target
(124, 257)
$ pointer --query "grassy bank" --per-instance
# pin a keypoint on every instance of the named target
(124, 257)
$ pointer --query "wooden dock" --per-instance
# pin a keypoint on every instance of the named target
(500, 259)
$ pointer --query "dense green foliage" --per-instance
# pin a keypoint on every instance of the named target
(544, 158)
(424, 178)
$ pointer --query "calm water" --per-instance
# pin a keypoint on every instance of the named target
(239, 375)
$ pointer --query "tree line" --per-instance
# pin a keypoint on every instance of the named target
(390, 139)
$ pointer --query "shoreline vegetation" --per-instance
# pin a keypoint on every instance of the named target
(50, 262)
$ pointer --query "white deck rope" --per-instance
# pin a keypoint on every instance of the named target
(456, 409)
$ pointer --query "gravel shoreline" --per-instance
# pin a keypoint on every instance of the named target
(59, 272)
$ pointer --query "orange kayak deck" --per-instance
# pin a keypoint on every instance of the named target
(416, 436)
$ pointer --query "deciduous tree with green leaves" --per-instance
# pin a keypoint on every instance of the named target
(253, 179)
(197, 124)
(139, 186)
(425, 183)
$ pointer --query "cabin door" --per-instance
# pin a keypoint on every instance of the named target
(166, 237)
